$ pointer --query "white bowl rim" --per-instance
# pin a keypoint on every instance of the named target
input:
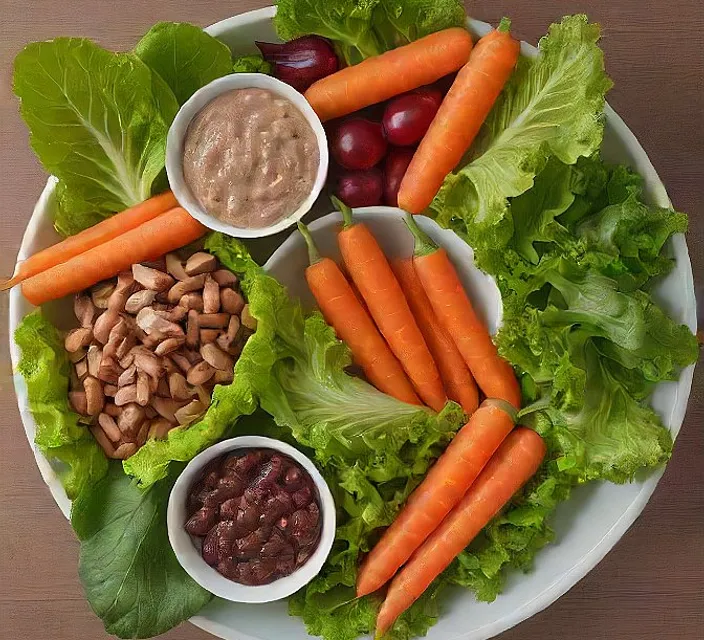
(207, 577)
(179, 129)
(553, 591)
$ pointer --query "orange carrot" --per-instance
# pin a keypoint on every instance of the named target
(371, 272)
(158, 236)
(516, 460)
(461, 115)
(493, 374)
(343, 311)
(382, 77)
(92, 237)
(458, 381)
(443, 487)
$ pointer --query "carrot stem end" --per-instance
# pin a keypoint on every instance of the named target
(313, 253)
(504, 25)
(423, 244)
(344, 210)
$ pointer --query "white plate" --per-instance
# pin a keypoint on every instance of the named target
(587, 526)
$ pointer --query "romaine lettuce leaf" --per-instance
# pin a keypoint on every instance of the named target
(94, 123)
(130, 575)
(45, 367)
(551, 106)
(185, 56)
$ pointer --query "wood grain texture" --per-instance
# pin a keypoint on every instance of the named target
(650, 587)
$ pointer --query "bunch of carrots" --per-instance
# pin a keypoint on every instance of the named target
(412, 329)
(139, 234)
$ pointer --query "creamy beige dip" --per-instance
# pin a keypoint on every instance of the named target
(250, 158)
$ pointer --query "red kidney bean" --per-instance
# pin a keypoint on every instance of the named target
(201, 521)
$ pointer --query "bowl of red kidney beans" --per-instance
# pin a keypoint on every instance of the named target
(251, 519)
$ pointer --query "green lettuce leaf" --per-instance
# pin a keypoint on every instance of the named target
(551, 106)
(347, 23)
(130, 575)
(45, 367)
(251, 64)
(398, 22)
(360, 29)
(151, 462)
(94, 123)
(185, 56)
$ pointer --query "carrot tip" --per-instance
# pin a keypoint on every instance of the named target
(8, 284)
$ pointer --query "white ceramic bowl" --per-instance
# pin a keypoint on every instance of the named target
(587, 526)
(189, 555)
(179, 129)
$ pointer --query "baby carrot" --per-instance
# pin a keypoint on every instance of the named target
(371, 272)
(458, 381)
(381, 77)
(343, 311)
(516, 460)
(461, 115)
(447, 481)
(92, 237)
(493, 374)
(171, 230)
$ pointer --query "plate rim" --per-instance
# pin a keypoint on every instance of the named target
(589, 560)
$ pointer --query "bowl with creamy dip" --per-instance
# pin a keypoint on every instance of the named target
(247, 155)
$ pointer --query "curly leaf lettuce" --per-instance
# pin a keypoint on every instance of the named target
(45, 367)
(551, 106)
(94, 123)
(184, 56)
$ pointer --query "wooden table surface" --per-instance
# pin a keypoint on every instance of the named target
(651, 586)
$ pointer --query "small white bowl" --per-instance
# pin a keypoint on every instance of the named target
(179, 129)
(189, 555)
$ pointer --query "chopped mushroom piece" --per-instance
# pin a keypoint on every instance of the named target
(175, 267)
(125, 395)
(213, 320)
(108, 424)
(225, 278)
(180, 289)
(101, 292)
(95, 399)
(152, 279)
(131, 419)
(104, 325)
(178, 387)
(231, 301)
(216, 358)
(201, 262)
(200, 373)
(76, 339)
(78, 402)
(137, 301)
(84, 309)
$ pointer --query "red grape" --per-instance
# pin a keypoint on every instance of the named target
(360, 188)
(302, 61)
(408, 116)
(397, 162)
(357, 143)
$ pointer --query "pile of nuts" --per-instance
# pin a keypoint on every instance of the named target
(152, 345)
